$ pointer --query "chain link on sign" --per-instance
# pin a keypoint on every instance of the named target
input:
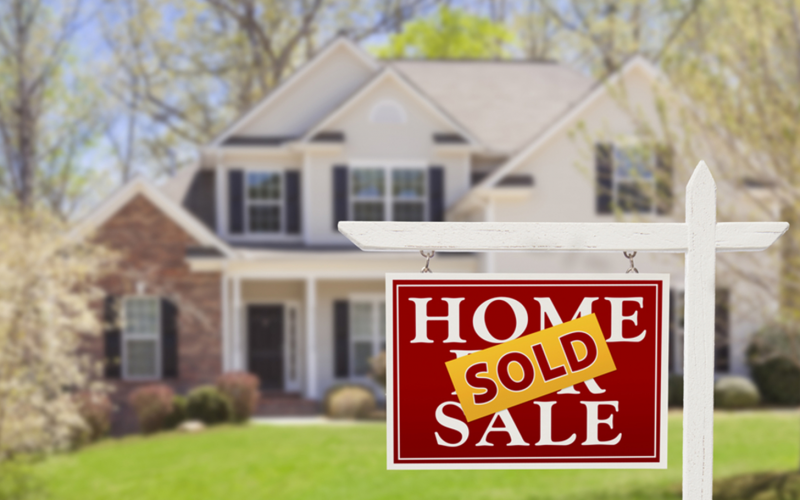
(630, 257)
(428, 257)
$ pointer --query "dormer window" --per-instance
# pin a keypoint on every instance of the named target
(264, 202)
(389, 112)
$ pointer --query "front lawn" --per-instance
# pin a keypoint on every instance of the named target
(322, 462)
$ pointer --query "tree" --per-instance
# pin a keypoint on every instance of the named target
(48, 300)
(180, 71)
(450, 34)
(46, 120)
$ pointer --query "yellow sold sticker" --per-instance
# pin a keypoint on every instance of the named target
(530, 367)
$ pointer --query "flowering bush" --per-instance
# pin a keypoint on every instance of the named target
(153, 405)
(241, 389)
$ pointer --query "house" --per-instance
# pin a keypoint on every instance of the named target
(236, 263)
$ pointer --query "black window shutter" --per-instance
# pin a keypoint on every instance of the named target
(722, 340)
(673, 333)
(236, 201)
(341, 338)
(339, 194)
(664, 162)
(292, 201)
(169, 339)
(603, 178)
(112, 339)
(436, 194)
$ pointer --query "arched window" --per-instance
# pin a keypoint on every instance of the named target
(387, 112)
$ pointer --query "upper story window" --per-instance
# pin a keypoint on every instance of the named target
(264, 202)
(633, 178)
(396, 194)
(387, 112)
(141, 337)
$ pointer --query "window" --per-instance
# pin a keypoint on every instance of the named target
(397, 194)
(676, 332)
(367, 333)
(634, 180)
(264, 201)
(141, 331)
(387, 112)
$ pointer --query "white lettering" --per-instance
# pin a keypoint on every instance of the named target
(593, 422)
(548, 310)
(509, 427)
(451, 423)
(546, 426)
(617, 318)
(479, 320)
(452, 319)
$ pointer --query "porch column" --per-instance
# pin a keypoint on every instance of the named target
(238, 346)
(311, 338)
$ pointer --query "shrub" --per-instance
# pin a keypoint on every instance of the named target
(733, 392)
(377, 368)
(178, 413)
(95, 411)
(349, 401)
(774, 358)
(241, 389)
(208, 405)
(676, 390)
(153, 405)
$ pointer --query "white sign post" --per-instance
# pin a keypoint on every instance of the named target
(700, 237)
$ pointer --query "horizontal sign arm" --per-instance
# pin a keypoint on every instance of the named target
(553, 236)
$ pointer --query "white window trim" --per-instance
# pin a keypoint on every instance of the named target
(280, 202)
(376, 301)
(617, 178)
(125, 336)
(388, 198)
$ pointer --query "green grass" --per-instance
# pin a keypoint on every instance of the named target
(321, 462)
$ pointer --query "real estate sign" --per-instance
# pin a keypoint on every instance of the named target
(527, 371)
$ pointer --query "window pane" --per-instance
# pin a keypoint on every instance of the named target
(408, 183)
(635, 196)
(634, 162)
(265, 219)
(371, 210)
(362, 352)
(409, 211)
(264, 185)
(368, 183)
(361, 320)
(382, 326)
(140, 358)
(141, 316)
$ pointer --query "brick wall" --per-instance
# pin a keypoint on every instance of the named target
(152, 249)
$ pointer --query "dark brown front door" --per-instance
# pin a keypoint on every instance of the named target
(265, 344)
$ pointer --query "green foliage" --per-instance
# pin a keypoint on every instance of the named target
(676, 390)
(450, 34)
(773, 355)
(178, 413)
(760, 486)
(208, 405)
(241, 389)
(349, 401)
(735, 392)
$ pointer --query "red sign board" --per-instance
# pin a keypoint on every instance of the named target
(616, 420)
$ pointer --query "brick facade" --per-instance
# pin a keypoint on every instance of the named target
(152, 249)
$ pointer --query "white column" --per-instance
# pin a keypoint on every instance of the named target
(225, 322)
(238, 335)
(311, 338)
(698, 347)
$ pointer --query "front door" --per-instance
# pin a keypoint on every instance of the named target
(265, 344)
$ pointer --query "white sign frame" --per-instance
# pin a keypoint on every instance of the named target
(664, 299)
(700, 237)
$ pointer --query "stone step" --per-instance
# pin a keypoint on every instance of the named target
(285, 405)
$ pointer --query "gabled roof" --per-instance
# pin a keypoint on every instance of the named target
(390, 74)
(503, 103)
(139, 186)
(255, 111)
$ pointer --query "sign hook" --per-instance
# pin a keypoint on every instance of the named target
(428, 257)
(630, 257)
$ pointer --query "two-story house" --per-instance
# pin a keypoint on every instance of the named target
(237, 264)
